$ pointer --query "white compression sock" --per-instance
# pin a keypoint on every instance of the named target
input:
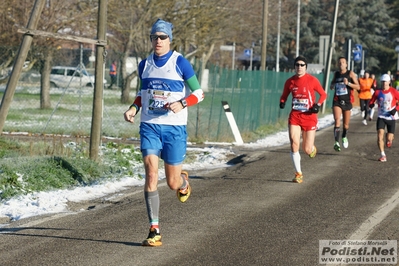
(296, 159)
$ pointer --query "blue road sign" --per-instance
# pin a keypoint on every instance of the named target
(247, 52)
(357, 53)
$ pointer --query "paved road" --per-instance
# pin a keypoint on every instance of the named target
(247, 214)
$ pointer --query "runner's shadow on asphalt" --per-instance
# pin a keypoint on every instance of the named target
(196, 177)
(280, 181)
(133, 244)
(16, 229)
(334, 153)
(136, 244)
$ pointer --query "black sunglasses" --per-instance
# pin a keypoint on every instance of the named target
(155, 37)
(302, 65)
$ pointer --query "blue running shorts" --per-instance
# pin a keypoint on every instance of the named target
(167, 141)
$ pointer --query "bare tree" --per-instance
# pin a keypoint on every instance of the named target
(198, 26)
(12, 14)
(128, 23)
(71, 17)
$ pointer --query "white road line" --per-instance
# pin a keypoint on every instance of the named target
(368, 226)
(365, 230)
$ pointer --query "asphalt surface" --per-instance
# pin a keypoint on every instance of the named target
(247, 214)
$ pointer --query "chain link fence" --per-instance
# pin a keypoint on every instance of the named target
(253, 97)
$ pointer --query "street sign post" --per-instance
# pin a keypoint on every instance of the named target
(357, 53)
(397, 50)
(230, 48)
(249, 52)
(227, 48)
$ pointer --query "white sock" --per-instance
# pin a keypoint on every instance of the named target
(296, 159)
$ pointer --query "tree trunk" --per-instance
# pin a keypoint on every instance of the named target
(125, 83)
(45, 81)
(125, 96)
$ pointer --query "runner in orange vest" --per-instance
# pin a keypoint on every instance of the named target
(365, 94)
(373, 89)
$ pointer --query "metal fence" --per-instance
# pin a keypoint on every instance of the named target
(253, 97)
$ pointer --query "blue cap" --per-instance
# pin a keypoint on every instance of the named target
(163, 26)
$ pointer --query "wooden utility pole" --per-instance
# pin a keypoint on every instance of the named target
(263, 60)
(264, 34)
(327, 69)
(19, 62)
(298, 28)
(97, 115)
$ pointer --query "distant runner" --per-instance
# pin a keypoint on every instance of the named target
(387, 99)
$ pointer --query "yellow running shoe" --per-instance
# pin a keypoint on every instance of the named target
(313, 153)
(184, 193)
(153, 239)
(298, 178)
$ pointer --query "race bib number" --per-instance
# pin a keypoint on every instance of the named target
(340, 89)
(156, 102)
(386, 106)
(300, 104)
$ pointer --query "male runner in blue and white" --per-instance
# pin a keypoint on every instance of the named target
(163, 99)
